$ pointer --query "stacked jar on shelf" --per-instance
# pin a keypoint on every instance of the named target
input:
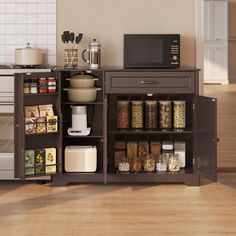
(137, 115)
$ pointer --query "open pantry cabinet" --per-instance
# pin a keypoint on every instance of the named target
(38, 140)
(126, 141)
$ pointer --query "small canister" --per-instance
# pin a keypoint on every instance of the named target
(52, 85)
(149, 163)
(26, 86)
(33, 86)
(165, 114)
(124, 165)
(174, 164)
(136, 165)
(137, 114)
(43, 85)
(151, 114)
(161, 165)
(122, 114)
(179, 114)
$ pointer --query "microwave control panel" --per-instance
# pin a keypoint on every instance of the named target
(175, 51)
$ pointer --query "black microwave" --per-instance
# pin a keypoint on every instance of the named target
(151, 50)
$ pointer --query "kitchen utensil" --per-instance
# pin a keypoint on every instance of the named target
(28, 56)
(82, 94)
(94, 54)
(79, 122)
(71, 39)
(67, 36)
(76, 82)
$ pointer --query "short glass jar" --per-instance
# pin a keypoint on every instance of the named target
(174, 163)
(123, 114)
(135, 165)
(161, 165)
(149, 163)
(165, 114)
(137, 114)
(179, 108)
(124, 165)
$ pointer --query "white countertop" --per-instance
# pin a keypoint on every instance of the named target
(13, 71)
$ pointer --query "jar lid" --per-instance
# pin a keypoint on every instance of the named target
(151, 102)
(137, 102)
(179, 102)
(123, 102)
(167, 102)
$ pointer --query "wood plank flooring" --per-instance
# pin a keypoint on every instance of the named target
(117, 210)
(226, 105)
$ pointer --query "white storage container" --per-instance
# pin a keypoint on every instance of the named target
(80, 159)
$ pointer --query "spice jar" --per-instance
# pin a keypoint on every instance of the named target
(149, 163)
(52, 85)
(137, 114)
(161, 165)
(43, 85)
(165, 114)
(122, 114)
(33, 86)
(124, 165)
(26, 86)
(179, 114)
(136, 165)
(174, 164)
(151, 114)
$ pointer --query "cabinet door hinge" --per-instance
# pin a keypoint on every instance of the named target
(193, 106)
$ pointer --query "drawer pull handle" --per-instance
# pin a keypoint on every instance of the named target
(149, 82)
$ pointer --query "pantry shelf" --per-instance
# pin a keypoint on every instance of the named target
(149, 132)
(41, 134)
(39, 94)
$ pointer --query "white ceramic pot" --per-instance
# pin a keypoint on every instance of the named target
(82, 94)
(28, 56)
(81, 83)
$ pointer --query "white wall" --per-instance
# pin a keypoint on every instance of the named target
(108, 20)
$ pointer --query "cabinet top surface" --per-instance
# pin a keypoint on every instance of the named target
(119, 69)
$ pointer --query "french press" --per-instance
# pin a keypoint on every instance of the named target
(94, 55)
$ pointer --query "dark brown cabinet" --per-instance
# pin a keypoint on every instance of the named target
(199, 133)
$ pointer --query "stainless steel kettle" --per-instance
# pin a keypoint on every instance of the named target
(94, 55)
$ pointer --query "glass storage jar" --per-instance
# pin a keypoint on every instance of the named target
(137, 114)
(165, 114)
(149, 163)
(135, 164)
(179, 114)
(132, 150)
(43, 85)
(119, 154)
(33, 86)
(151, 114)
(161, 165)
(155, 149)
(124, 165)
(123, 114)
(180, 150)
(143, 150)
(26, 86)
(174, 164)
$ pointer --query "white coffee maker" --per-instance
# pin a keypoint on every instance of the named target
(79, 122)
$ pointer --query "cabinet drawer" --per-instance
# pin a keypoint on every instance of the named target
(151, 82)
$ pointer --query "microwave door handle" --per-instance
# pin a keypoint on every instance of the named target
(149, 82)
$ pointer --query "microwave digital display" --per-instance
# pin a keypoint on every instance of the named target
(151, 51)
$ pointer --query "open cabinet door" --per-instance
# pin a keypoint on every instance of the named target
(38, 125)
(205, 148)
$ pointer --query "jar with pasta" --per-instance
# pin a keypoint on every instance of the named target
(149, 163)
(137, 114)
(123, 114)
(165, 114)
(179, 114)
(151, 114)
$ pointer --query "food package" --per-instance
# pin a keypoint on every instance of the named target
(50, 157)
(29, 171)
(30, 125)
(41, 125)
(31, 111)
(51, 124)
(29, 158)
(40, 161)
(46, 110)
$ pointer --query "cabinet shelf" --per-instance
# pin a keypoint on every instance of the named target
(42, 134)
(39, 94)
(149, 132)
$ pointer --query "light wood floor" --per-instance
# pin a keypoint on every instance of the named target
(117, 210)
(226, 105)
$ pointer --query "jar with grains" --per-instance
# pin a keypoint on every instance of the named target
(123, 114)
(151, 114)
(124, 165)
(137, 114)
(135, 164)
(165, 114)
(179, 114)
(174, 164)
(149, 163)
(119, 155)
(166, 155)
(43, 85)
(143, 150)
(155, 149)
(161, 165)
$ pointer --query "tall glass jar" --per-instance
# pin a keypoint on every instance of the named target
(165, 114)
(135, 165)
(151, 114)
(137, 114)
(179, 114)
(123, 114)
